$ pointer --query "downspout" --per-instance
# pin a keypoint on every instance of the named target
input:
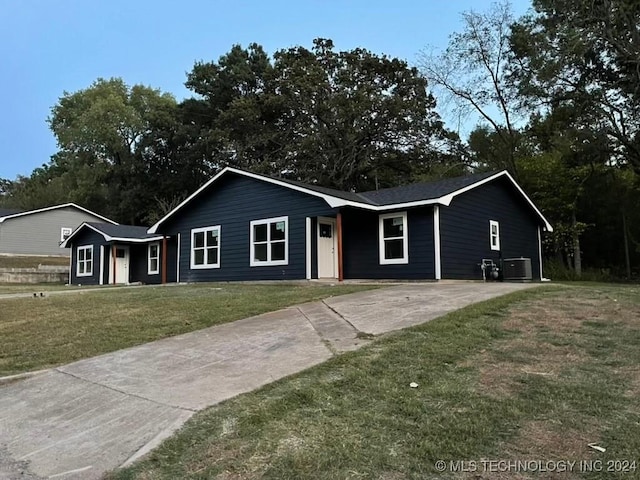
(436, 242)
(70, 265)
(164, 260)
(113, 255)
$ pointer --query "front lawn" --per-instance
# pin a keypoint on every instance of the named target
(41, 332)
(534, 376)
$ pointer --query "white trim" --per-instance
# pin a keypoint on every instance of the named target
(70, 264)
(308, 247)
(204, 230)
(157, 270)
(494, 223)
(178, 261)
(405, 239)
(268, 221)
(101, 265)
(540, 251)
(436, 242)
(109, 238)
(87, 248)
(62, 232)
(336, 202)
(55, 207)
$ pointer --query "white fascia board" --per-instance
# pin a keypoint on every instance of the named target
(55, 207)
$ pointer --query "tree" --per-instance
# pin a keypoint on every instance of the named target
(351, 120)
(471, 74)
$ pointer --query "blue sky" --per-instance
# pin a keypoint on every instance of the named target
(49, 47)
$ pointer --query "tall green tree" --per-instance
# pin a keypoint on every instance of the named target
(350, 119)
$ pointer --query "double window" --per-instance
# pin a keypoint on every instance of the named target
(153, 259)
(205, 247)
(393, 238)
(494, 235)
(269, 242)
(84, 261)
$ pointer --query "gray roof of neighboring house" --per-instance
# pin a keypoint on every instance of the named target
(8, 211)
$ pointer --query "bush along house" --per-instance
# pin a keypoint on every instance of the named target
(246, 226)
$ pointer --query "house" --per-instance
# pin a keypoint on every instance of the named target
(246, 226)
(39, 232)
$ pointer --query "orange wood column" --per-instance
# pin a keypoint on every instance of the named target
(113, 255)
(164, 260)
(339, 229)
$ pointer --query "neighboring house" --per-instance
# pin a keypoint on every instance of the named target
(39, 232)
(245, 226)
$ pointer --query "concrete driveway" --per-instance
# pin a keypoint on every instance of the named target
(80, 420)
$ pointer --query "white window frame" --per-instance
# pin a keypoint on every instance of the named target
(405, 239)
(193, 249)
(268, 221)
(65, 230)
(86, 248)
(151, 271)
(494, 223)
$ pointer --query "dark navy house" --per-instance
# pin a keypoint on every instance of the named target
(245, 226)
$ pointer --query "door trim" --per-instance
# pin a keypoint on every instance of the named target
(334, 236)
(113, 263)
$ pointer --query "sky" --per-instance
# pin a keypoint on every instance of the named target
(50, 47)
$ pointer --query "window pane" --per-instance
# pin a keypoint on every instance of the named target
(212, 256)
(119, 253)
(392, 227)
(277, 231)
(494, 241)
(198, 257)
(153, 265)
(494, 229)
(260, 253)
(81, 255)
(325, 230)
(198, 239)
(153, 251)
(277, 251)
(81, 267)
(212, 238)
(260, 233)
(393, 249)
(89, 268)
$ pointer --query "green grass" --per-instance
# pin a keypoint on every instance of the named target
(535, 375)
(37, 333)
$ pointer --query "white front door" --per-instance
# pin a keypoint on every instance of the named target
(327, 248)
(119, 264)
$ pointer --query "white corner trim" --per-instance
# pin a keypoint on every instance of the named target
(101, 265)
(178, 260)
(436, 242)
(308, 247)
(70, 264)
(540, 251)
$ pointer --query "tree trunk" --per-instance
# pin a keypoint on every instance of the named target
(627, 260)
(577, 258)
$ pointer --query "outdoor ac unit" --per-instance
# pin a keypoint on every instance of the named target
(516, 269)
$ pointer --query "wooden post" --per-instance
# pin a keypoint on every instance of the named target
(164, 259)
(339, 229)
(113, 254)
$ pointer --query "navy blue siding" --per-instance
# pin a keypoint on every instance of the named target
(464, 230)
(360, 242)
(233, 202)
(88, 237)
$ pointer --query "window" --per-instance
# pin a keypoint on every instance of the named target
(84, 267)
(393, 238)
(269, 242)
(205, 247)
(64, 233)
(494, 234)
(153, 262)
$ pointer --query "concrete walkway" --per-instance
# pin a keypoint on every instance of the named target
(80, 420)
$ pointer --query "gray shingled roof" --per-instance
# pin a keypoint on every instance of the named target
(422, 191)
(122, 231)
(397, 195)
(8, 211)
